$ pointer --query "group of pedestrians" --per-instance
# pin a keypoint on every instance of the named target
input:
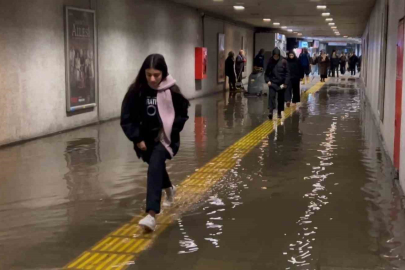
(234, 69)
(283, 77)
(336, 63)
(154, 111)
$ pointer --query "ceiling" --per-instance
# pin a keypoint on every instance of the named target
(302, 16)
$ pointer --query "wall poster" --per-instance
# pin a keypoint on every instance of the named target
(81, 58)
(221, 58)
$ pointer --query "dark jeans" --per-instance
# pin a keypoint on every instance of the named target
(353, 70)
(232, 83)
(158, 178)
(239, 74)
(295, 85)
(272, 99)
(335, 69)
(343, 69)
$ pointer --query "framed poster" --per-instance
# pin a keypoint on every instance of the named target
(81, 58)
(221, 58)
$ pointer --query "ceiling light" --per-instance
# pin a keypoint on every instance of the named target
(326, 14)
(333, 27)
(321, 7)
(267, 20)
(329, 19)
(300, 34)
(239, 7)
(284, 27)
(345, 36)
(276, 23)
(331, 23)
(289, 30)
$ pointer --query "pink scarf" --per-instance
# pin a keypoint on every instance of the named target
(166, 110)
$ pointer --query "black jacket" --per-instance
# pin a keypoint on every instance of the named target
(259, 61)
(295, 68)
(230, 67)
(277, 72)
(134, 114)
(353, 60)
(334, 62)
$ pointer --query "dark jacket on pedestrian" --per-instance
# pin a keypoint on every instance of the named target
(305, 59)
(295, 67)
(323, 66)
(334, 63)
(259, 61)
(353, 61)
(277, 71)
(343, 60)
(230, 67)
(140, 118)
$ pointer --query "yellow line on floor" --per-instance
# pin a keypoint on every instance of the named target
(120, 248)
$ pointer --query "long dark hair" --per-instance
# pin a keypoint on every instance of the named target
(155, 61)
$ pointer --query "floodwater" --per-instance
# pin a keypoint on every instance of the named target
(318, 193)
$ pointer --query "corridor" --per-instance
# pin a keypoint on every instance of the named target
(313, 191)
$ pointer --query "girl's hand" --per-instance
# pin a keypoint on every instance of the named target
(141, 146)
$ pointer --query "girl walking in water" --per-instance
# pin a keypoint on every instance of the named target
(153, 114)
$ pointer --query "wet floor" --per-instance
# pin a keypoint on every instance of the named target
(316, 194)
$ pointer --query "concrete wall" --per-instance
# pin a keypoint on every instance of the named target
(372, 66)
(32, 57)
(32, 71)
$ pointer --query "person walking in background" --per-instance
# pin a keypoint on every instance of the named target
(277, 77)
(306, 65)
(352, 64)
(240, 65)
(323, 62)
(259, 60)
(334, 64)
(230, 72)
(152, 116)
(293, 89)
(314, 65)
(343, 61)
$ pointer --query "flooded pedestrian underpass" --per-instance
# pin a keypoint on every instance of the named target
(316, 193)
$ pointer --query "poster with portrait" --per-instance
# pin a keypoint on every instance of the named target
(81, 58)
(221, 58)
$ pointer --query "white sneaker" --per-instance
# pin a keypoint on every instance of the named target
(148, 223)
(170, 193)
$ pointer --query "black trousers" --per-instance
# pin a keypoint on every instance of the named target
(335, 69)
(232, 83)
(272, 99)
(353, 70)
(296, 93)
(239, 74)
(158, 178)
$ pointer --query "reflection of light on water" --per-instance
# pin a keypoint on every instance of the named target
(301, 250)
(187, 243)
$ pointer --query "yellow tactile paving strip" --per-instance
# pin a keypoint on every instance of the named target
(119, 249)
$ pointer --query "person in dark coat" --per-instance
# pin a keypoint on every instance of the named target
(230, 71)
(293, 89)
(305, 60)
(343, 61)
(323, 62)
(277, 77)
(334, 64)
(352, 63)
(152, 116)
(259, 60)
